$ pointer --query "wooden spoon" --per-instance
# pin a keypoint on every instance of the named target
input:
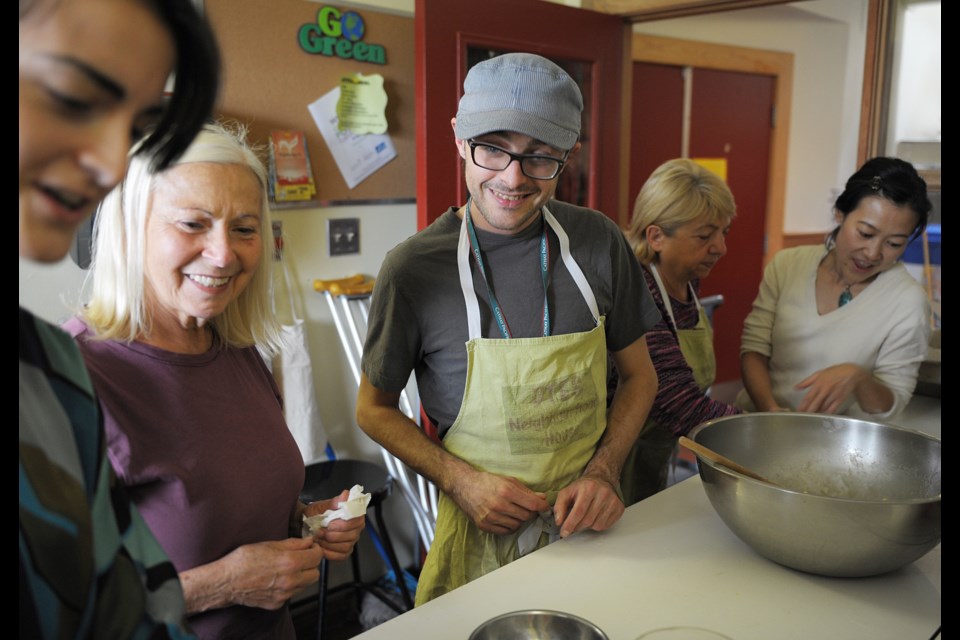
(713, 456)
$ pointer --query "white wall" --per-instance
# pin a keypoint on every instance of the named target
(381, 228)
(827, 38)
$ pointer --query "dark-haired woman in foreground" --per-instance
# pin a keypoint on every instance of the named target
(842, 328)
(90, 86)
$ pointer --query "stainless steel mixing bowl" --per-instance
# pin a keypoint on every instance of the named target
(537, 624)
(856, 498)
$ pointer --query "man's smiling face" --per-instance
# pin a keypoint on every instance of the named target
(507, 201)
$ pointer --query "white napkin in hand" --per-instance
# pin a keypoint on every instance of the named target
(355, 506)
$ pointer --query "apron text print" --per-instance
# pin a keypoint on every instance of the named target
(549, 416)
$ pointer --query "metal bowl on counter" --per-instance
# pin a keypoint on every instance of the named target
(852, 498)
(537, 624)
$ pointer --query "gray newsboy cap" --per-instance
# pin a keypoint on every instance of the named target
(521, 92)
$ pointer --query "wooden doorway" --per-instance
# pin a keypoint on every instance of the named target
(733, 97)
(776, 64)
(450, 33)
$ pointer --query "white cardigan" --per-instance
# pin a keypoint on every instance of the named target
(885, 329)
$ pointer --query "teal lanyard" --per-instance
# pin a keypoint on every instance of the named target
(494, 304)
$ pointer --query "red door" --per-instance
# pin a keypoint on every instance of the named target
(731, 119)
(451, 34)
(656, 121)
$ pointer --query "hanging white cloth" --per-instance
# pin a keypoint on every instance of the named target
(293, 371)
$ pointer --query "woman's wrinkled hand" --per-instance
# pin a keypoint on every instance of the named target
(829, 388)
(267, 574)
(340, 536)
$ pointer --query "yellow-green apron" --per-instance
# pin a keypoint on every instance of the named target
(646, 468)
(533, 409)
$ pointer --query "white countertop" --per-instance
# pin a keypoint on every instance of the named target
(671, 561)
(921, 414)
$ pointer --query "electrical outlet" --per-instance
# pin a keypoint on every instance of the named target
(343, 236)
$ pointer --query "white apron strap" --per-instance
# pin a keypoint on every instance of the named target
(572, 267)
(466, 283)
(666, 298)
(466, 277)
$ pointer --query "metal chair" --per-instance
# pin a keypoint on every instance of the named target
(328, 478)
(349, 302)
(710, 304)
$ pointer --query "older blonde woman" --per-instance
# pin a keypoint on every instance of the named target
(180, 287)
(680, 220)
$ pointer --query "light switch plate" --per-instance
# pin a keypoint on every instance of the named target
(343, 236)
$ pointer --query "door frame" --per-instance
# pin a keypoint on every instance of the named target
(678, 52)
(442, 34)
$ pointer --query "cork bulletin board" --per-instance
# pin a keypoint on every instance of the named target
(269, 80)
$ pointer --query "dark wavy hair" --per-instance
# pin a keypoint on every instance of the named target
(893, 179)
(196, 72)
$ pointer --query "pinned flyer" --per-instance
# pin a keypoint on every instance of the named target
(362, 104)
(716, 166)
(358, 156)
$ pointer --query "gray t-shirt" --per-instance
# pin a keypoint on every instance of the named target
(418, 320)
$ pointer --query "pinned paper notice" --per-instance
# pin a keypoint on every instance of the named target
(357, 156)
(714, 165)
(362, 104)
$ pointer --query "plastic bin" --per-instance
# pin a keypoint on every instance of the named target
(914, 252)
(913, 260)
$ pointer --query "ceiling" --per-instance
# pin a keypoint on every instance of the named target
(643, 10)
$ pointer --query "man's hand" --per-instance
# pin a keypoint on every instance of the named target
(591, 502)
(497, 504)
(587, 503)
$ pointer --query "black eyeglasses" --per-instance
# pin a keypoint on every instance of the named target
(533, 165)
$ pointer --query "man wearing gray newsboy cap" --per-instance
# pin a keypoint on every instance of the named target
(505, 308)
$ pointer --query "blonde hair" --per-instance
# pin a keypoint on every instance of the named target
(677, 192)
(117, 309)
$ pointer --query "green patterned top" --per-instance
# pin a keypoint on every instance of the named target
(89, 566)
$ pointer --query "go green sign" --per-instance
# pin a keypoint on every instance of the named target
(340, 34)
